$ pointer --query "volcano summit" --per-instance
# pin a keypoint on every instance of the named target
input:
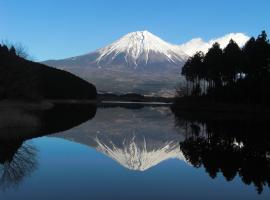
(139, 62)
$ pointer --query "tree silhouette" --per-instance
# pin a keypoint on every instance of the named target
(213, 61)
(232, 58)
(194, 72)
(228, 75)
(12, 50)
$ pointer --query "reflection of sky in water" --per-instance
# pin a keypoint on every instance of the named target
(72, 165)
(69, 170)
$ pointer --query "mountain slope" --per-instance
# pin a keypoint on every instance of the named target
(141, 49)
(138, 62)
(134, 50)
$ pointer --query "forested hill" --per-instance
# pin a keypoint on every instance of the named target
(24, 79)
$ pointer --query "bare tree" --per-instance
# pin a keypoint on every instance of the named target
(22, 164)
(20, 49)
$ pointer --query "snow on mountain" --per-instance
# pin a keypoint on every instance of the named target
(137, 48)
(197, 44)
(139, 62)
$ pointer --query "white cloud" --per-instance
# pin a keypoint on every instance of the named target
(198, 44)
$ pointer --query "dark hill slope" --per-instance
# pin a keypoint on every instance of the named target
(23, 79)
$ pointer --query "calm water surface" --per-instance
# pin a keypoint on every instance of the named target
(124, 153)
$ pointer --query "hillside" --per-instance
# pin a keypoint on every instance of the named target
(23, 79)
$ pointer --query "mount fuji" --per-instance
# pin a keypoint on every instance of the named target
(138, 62)
(139, 50)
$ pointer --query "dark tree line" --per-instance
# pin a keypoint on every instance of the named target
(6, 51)
(232, 74)
(24, 79)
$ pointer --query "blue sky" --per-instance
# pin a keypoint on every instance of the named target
(64, 28)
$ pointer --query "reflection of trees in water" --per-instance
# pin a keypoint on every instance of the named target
(17, 157)
(230, 147)
(17, 160)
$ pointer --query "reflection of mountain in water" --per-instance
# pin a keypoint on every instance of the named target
(136, 138)
(139, 153)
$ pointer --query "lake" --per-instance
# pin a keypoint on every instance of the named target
(132, 152)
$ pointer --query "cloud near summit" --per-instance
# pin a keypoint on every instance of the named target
(198, 44)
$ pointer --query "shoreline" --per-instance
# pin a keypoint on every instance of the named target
(182, 105)
(215, 110)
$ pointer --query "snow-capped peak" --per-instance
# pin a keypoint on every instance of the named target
(198, 44)
(137, 46)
